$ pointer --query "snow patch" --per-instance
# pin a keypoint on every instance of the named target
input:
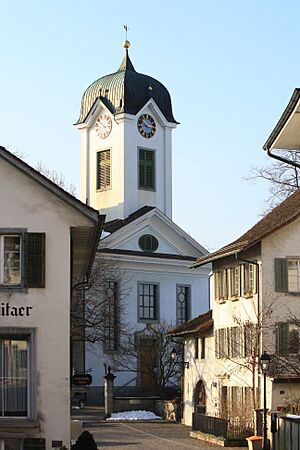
(133, 415)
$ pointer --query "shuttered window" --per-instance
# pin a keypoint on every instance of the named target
(287, 275)
(103, 170)
(146, 169)
(287, 339)
(249, 284)
(235, 281)
(221, 284)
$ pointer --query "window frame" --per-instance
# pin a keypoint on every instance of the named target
(139, 186)
(188, 303)
(107, 186)
(156, 306)
(287, 329)
(28, 334)
(13, 232)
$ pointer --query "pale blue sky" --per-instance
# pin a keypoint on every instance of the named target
(230, 66)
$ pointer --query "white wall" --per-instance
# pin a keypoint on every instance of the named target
(167, 275)
(24, 204)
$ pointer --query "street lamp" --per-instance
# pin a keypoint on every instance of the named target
(173, 356)
(264, 363)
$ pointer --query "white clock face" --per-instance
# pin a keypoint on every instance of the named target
(103, 126)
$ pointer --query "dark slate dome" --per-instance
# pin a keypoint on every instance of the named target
(126, 91)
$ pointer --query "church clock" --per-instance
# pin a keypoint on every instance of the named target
(146, 125)
(103, 126)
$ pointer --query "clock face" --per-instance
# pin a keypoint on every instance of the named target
(103, 126)
(146, 125)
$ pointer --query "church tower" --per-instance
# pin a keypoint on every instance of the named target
(126, 124)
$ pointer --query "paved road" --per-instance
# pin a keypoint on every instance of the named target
(146, 436)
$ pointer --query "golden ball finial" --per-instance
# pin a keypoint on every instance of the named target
(126, 44)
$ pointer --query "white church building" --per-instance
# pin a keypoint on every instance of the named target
(126, 124)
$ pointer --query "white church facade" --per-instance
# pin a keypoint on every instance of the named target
(126, 123)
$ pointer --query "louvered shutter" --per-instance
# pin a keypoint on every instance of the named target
(217, 344)
(146, 169)
(35, 260)
(281, 275)
(282, 338)
(103, 169)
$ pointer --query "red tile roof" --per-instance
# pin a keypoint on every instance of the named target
(200, 325)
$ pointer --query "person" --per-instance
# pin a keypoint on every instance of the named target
(85, 442)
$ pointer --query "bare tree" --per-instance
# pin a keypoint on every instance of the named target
(56, 177)
(148, 354)
(283, 178)
(98, 309)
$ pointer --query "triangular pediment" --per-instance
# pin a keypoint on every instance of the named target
(172, 240)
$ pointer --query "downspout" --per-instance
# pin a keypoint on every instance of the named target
(258, 314)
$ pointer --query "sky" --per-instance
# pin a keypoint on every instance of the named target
(230, 67)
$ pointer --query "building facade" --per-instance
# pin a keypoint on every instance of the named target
(47, 243)
(126, 123)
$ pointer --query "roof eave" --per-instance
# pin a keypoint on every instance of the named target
(283, 120)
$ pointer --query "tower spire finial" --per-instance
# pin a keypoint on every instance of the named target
(126, 43)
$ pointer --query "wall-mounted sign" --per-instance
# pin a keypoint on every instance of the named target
(83, 379)
(57, 444)
(7, 310)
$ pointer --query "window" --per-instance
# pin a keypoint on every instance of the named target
(183, 296)
(293, 275)
(11, 444)
(148, 243)
(10, 247)
(14, 376)
(287, 339)
(249, 285)
(103, 170)
(221, 285)
(235, 281)
(146, 170)
(202, 354)
(111, 321)
(148, 301)
(22, 259)
(287, 275)
(196, 348)
(229, 342)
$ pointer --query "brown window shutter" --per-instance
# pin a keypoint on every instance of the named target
(35, 260)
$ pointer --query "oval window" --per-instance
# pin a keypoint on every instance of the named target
(148, 243)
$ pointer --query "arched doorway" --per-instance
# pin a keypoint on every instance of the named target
(200, 398)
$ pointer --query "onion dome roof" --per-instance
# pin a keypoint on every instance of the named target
(126, 91)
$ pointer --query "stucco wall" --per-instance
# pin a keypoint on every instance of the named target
(24, 204)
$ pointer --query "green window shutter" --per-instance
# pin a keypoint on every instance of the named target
(146, 169)
(35, 260)
(281, 275)
(282, 338)
(103, 169)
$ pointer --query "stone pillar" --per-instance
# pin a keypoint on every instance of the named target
(109, 392)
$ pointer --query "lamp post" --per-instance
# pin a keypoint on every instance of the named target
(264, 363)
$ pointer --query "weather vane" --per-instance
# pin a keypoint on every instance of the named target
(126, 28)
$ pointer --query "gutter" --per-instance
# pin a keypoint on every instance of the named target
(278, 128)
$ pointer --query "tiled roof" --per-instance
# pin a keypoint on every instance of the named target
(280, 216)
(116, 224)
(199, 325)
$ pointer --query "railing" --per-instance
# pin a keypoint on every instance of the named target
(235, 429)
(210, 425)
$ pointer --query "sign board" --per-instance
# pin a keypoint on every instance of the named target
(34, 444)
(83, 379)
(57, 444)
